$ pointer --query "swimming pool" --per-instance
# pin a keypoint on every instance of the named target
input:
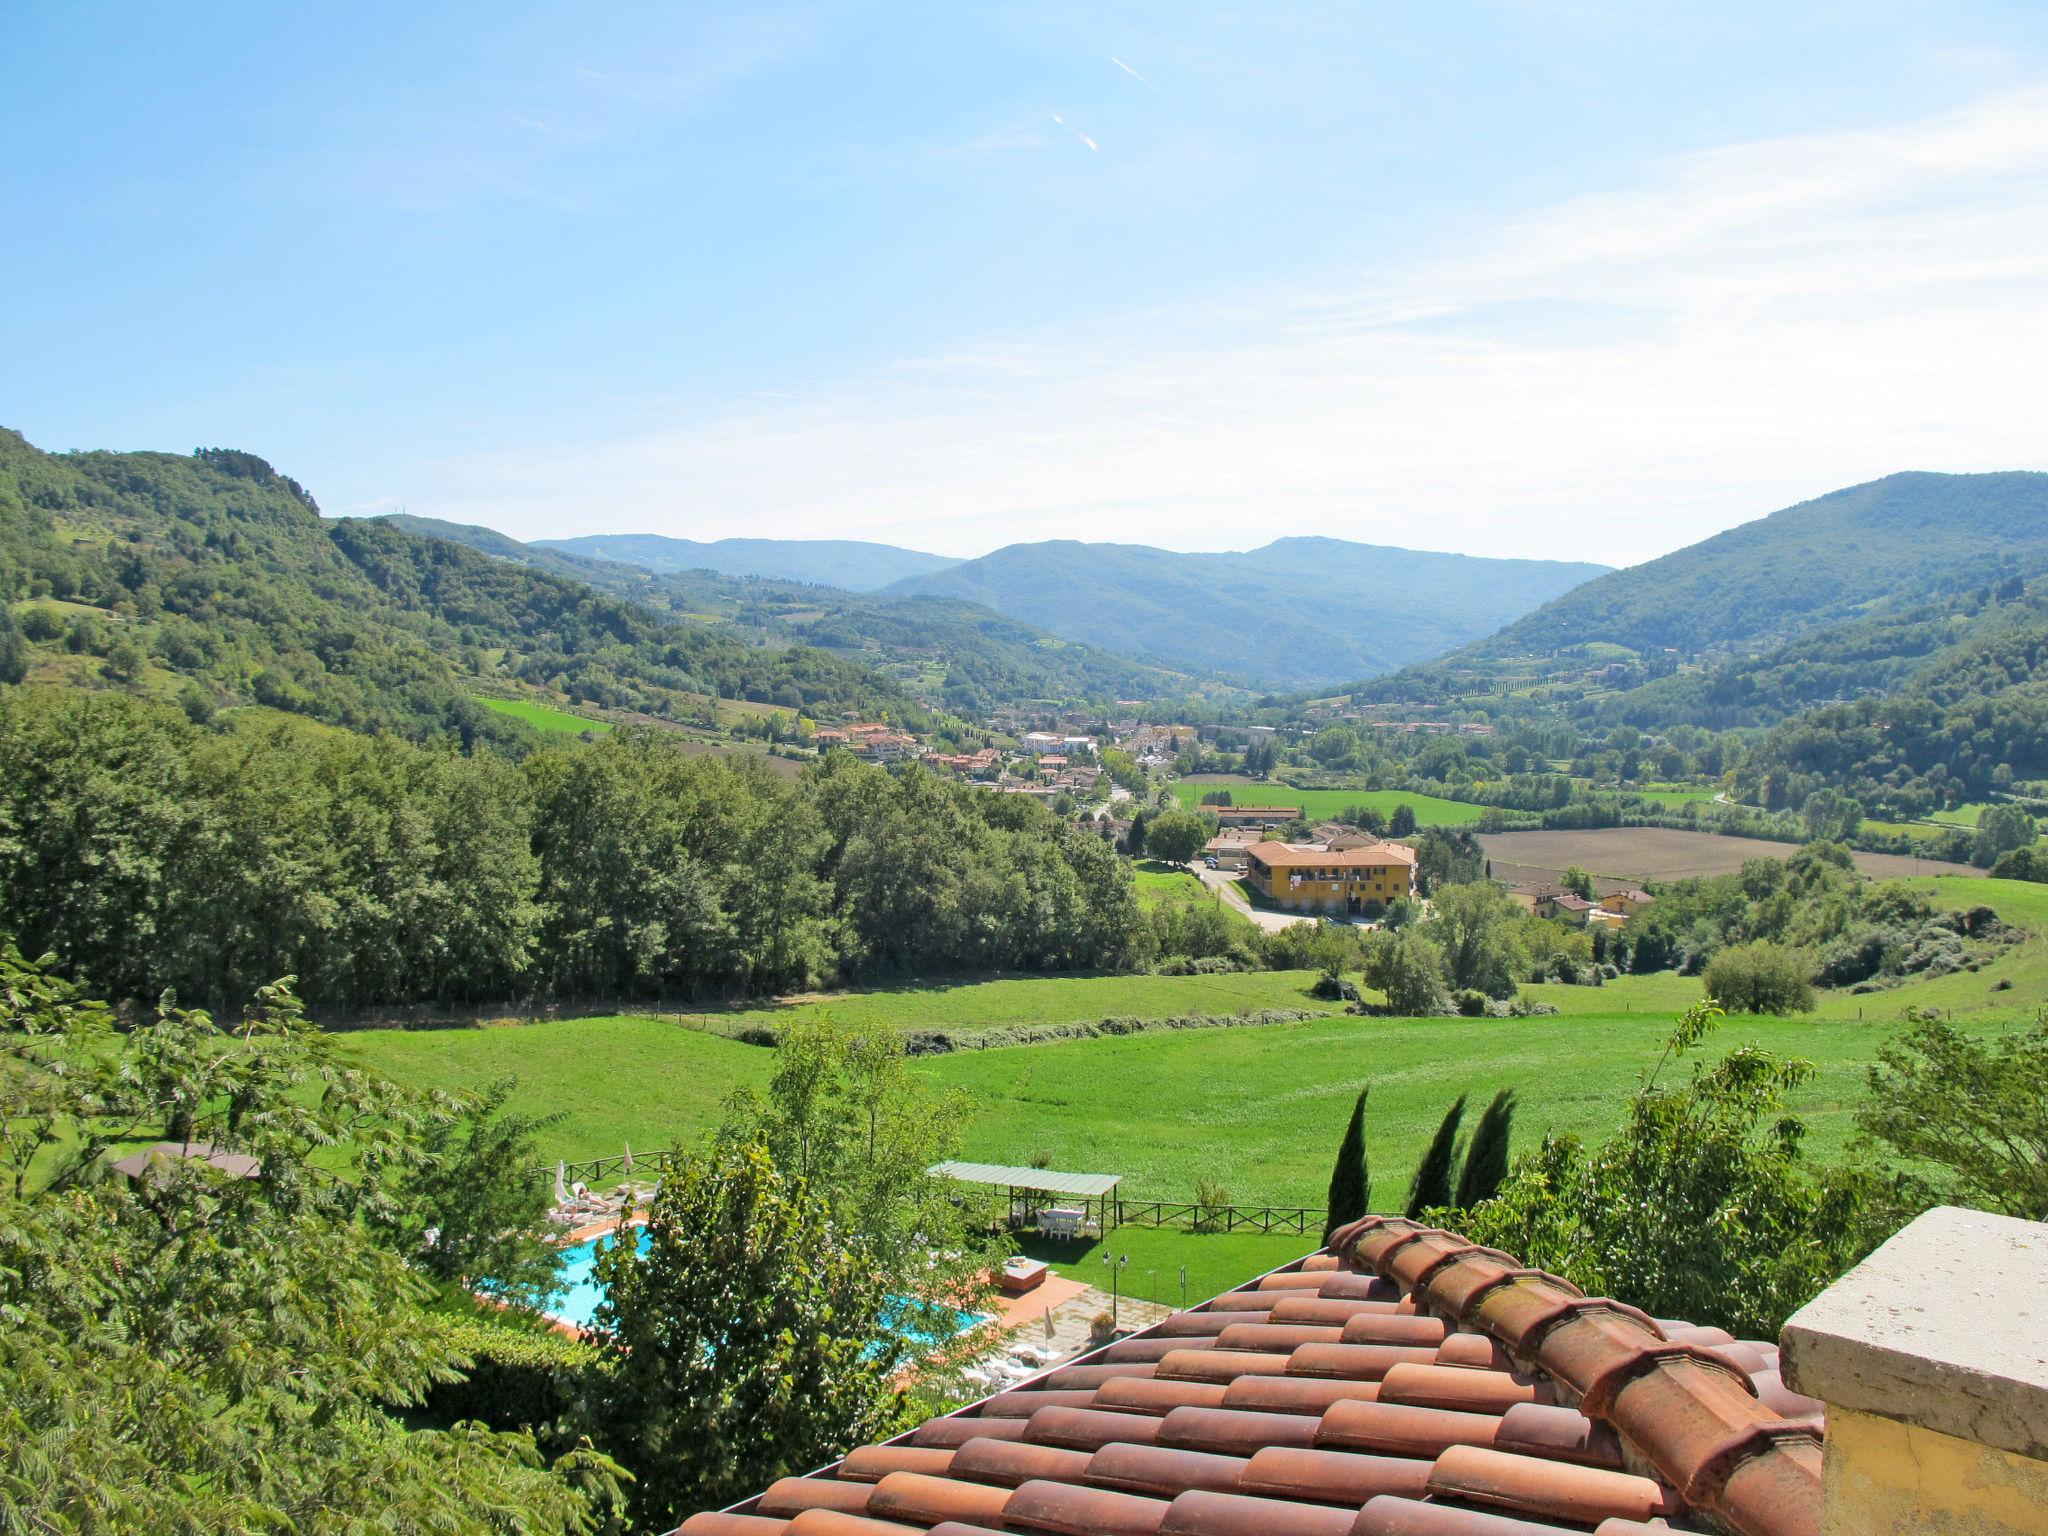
(577, 1294)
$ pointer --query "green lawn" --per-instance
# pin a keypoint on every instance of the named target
(1962, 815)
(1430, 810)
(1215, 1261)
(1163, 882)
(1258, 1111)
(541, 717)
(1677, 795)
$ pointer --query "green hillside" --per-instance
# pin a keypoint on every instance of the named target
(1822, 600)
(216, 576)
(851, 564)
(964, 656)
(1296, 613)
(1806, 566)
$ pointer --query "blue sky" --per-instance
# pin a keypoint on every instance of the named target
(1573, 278)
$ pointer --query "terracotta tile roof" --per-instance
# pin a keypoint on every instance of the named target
(1403, 1382)
(1298, 856)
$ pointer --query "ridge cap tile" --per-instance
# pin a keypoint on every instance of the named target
(1261, 1410)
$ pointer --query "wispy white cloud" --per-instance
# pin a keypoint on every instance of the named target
(1120, 64)
(1077, 133)
(1607, 378)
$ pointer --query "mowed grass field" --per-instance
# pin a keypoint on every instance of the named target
(1256, 1110)
(543, 717)
(1315, 804)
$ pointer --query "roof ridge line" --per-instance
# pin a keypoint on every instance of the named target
(1683, 1408)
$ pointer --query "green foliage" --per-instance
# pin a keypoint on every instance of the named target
(1831, 816)
(747, 1344)
(159, 854)
(2022, 864)
(1578, 882)
(1409, 968)
(471, 1210)
(1975, 1109)
(1861, 935)
(1350, 1194)
(1701, 1206)
(520, 1376)
(196, 1351)
(1174, 837)
(1432, 1184)
(2002, 829)
(1967, 724)
(1486, 1160)
(1446, 857)
(845, 1115)
(1478, 927)
(1761, 977)
(235, 580)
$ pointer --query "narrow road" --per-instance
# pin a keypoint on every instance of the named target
(1222, 883)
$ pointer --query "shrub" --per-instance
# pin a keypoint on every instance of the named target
(1761, 978)
(1472, 1003)
(2022, 864)
(1976, 1109)
(1210, 1200)
(1701, 1206)
(519, 1377)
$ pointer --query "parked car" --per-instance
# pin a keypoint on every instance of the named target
(1211, 862)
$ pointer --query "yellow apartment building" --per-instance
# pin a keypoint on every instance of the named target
(1305, 879)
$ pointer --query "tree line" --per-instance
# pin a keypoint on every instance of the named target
(158, 854)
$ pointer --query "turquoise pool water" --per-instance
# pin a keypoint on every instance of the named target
(577, 1294)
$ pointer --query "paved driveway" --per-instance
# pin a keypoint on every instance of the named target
(1223, 883)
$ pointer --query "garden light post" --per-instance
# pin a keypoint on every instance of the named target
(1114, 1264)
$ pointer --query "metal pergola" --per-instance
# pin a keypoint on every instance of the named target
(1029, 1188)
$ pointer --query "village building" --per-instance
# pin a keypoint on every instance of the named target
(1228, 848)
(1038, 743)
(1626, 903)
(1567, 907)
(1304, 878)
(1254, 815)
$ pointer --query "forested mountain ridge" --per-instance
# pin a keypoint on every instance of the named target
(1970, 724)
(1814, 603)
(1296, 613)
(853, 565)
(1806, 566)
(215, 575)
(966, 657)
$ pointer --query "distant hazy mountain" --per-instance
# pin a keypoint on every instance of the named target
(846, 563)
(1298, 613)
(966, 656)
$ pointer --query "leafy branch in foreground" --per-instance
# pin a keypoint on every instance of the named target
(1977, 1109)
(194, 1350)
(1701, 1206)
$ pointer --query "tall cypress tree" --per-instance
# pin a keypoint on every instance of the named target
(1486, 1161)
(1432, 1184)
(1350, 1180)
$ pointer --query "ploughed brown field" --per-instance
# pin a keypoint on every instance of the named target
(1659, 853)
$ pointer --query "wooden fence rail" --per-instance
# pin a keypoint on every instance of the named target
(1197, 1217)
(1189, 1215)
